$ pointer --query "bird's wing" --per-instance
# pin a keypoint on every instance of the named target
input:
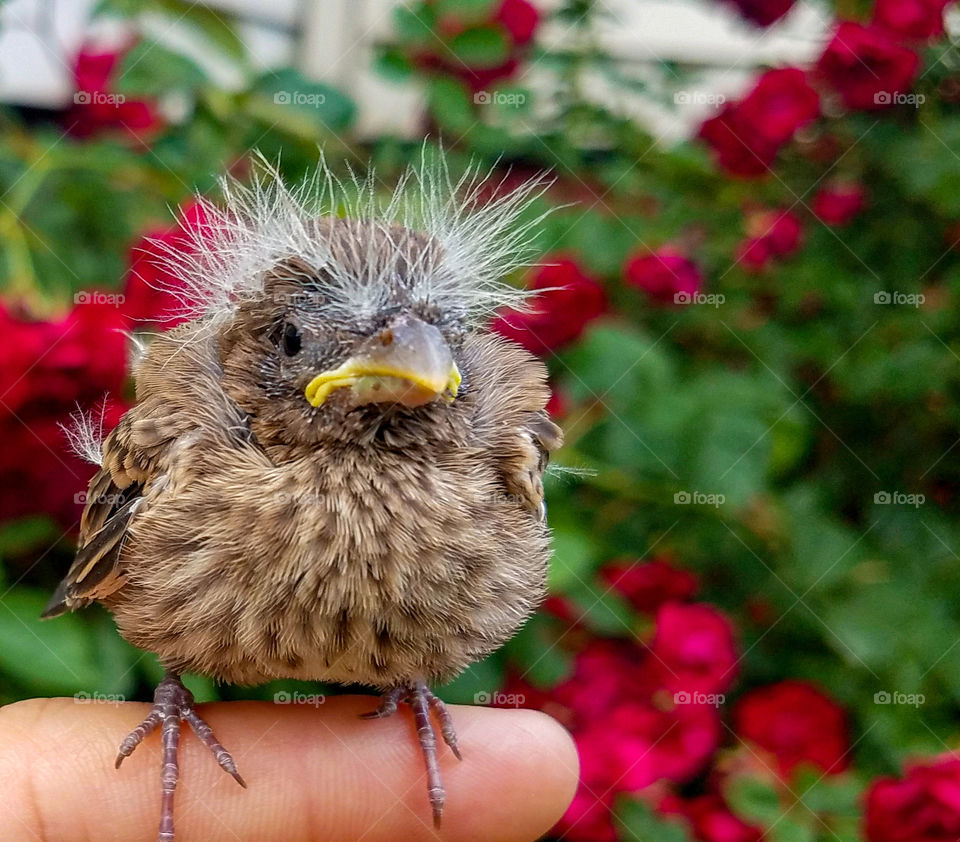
(512, 395)
(175, 400)
(526, 461)
(115, 494)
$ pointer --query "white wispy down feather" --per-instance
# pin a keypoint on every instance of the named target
(85, 433)
(480, 239)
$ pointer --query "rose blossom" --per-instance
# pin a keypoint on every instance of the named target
(663, 274)
(153, 296)
(867, 66)
(838, 204)
(923, 806)
(781, 102)
(780, 230)
(762, 12)
(647, 585)
(797, 723)
(97, 108)
(737, 146)
(693, 649)
(919, 19)
(570, 300)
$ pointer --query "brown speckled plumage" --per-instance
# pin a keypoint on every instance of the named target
(239, 532)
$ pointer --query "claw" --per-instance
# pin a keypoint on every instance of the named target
(422, 701)
(172, 705)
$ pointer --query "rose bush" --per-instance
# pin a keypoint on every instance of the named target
(752, 341)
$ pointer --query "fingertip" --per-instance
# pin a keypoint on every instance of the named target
(314, 774)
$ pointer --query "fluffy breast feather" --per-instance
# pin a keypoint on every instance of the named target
(363, 564)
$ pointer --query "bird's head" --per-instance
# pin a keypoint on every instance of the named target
(334, 328)
(309, 366)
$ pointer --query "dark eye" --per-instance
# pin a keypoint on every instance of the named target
(290, 340)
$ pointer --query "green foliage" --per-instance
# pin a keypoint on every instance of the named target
(792, 403)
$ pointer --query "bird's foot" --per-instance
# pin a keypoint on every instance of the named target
(421, 701)
(172, 705)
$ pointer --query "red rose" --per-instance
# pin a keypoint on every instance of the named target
(924, 806)
(664, 275)
(519, 18)
(97, 108)
(762, 12)
(736, 144)
(711, 820)
(638, 744)
(781, 230)
(645, 744)
(153, 296)
(569, 302)
(838, 204)
(693, 649)
(647, 585)
(559, 404)
(920, 19)
(780, 103)
(867, 66)
(797, 723)
(47, 369)
(754, 254)
(589, 818)
(605, 672)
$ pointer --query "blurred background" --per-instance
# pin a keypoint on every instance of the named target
(751, 327)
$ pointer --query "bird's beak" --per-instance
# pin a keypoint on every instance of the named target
(407, 363)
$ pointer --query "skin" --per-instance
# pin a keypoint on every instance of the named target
(314, 775)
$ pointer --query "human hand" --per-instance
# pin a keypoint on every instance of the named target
(313, 774)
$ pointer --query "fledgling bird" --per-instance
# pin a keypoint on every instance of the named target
(333, 471)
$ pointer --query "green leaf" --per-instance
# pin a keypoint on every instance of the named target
(574, 556)
(394, 65)
(450, 104)
(754, 801)
(538, 654)
(481, 47)
(294, 100)
(467, 11)
(415, 27)
(641, 824)
(47, 656)
(24, 534)
(213, 25)
(150, 69)
(480, 678)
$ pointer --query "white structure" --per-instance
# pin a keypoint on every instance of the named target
(333, 40)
